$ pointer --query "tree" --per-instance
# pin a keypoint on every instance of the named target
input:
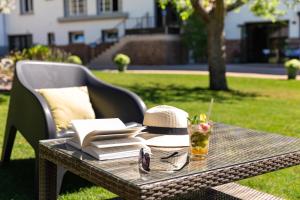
(6, 5)
(212, 13)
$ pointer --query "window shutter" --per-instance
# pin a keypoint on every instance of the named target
(31, 5)
(66, 8)
(99, 6)
(120, 6)
(22, 6)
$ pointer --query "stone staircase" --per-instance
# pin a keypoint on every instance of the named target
(105, 58)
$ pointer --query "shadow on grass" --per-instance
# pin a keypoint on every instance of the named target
(157, 93)
(73, 183)
(17, 180)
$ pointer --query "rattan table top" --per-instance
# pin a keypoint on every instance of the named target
(235, 153)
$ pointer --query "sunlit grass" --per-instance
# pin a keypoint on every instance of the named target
(267, 105)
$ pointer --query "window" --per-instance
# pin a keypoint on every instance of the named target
(77, 7)
(76, 37)
(108, 6)
(110, 35)
(51, 39)
(26, 6)
(19, 42)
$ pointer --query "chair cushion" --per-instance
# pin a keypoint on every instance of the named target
(68, 104)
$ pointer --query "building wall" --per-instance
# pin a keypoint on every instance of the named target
(236, 19)
(3, 37)
(164, 50)
(47, 13)
(243, 15)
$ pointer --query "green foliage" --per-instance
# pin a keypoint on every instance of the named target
(197, 119)
(292, 67)
(44, 53)
(183, 7)
(195, 36)
(122, 61)
(75, 60)
(268, 9)
(38, 52)
(293, 63)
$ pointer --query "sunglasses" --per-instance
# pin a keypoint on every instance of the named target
(176, 160)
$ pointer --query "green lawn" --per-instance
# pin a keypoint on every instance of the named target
(268, 105)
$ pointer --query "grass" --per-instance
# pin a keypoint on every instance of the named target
(267, 105)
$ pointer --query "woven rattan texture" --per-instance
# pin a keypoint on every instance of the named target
(235, 153)
(243, 192)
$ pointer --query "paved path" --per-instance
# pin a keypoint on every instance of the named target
(236, 70)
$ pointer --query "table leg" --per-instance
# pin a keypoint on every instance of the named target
(47, 180)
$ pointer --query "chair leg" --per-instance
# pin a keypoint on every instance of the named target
(36, 176)
(61, 171)
(9, 138)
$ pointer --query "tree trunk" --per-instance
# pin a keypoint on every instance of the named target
(216, 50)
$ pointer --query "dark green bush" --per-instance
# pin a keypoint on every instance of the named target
(195, 37)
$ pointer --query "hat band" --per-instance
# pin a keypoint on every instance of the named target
(166, 131)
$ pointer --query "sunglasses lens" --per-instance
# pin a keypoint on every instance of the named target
(144, 160)
(141, 155)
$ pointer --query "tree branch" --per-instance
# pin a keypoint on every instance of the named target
(200, 10)
(236, 4)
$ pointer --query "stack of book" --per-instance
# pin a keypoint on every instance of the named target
(106, 139)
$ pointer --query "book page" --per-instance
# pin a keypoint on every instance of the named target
(113, 134)
(85, 127)
(115, 152)
(117, 142)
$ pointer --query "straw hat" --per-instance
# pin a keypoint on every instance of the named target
(166, 126)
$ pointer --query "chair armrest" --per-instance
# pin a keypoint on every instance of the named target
(109, 101)
(30, 114)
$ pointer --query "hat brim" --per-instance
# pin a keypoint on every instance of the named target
(160, 140)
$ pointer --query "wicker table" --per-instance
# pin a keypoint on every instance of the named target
(235, 154)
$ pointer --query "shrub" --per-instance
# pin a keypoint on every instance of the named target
(75, 60)
(292, 67)
(293, 63)
(122, 61)
(44, 53)
(38, 52)
(194, 37)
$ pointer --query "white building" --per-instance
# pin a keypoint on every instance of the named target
(61, 22)
(66, 23)
(253, 39)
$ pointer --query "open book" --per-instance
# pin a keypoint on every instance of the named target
(107, 138)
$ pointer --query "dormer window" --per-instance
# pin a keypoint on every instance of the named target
(108, 6)
(75, 7)
(26, 6)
